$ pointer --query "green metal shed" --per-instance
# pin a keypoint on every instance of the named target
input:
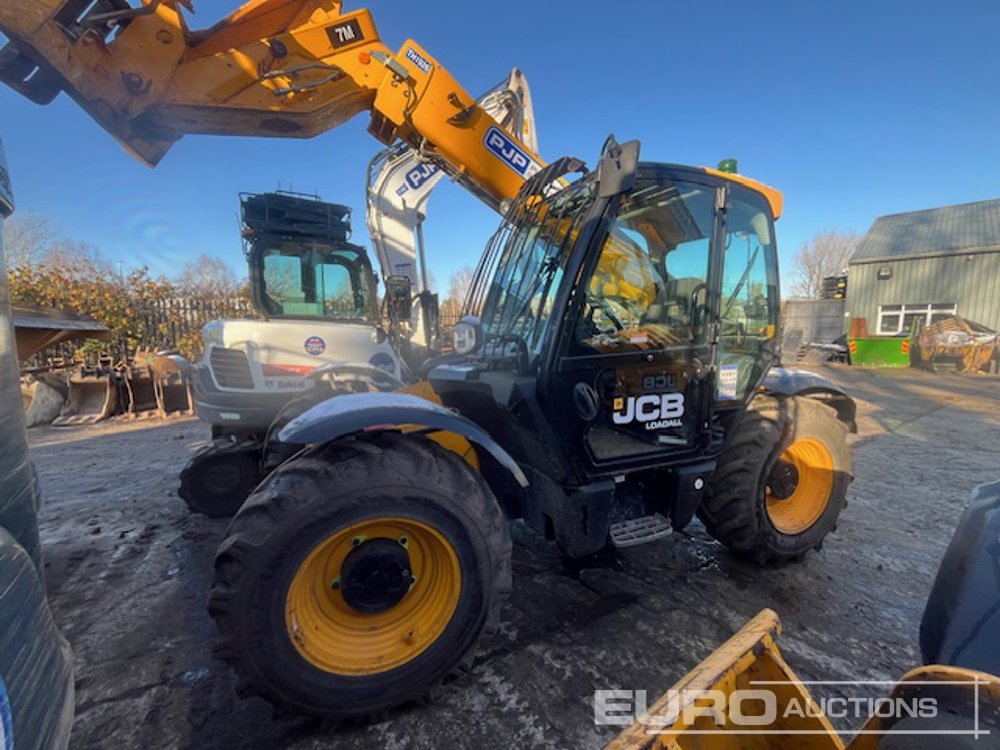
(928, 264)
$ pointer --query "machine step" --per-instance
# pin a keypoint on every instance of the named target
(640, 530)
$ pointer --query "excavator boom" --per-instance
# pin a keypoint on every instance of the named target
(282, 68)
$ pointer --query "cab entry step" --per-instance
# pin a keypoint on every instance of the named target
(640, 530)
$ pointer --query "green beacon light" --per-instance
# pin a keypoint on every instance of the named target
(729, 166)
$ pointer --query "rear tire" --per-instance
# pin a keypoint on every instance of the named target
(741, 507)
(298, 639)
(220, 477)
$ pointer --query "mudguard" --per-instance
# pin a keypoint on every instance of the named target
(961, 623)
(364, 412)
(784, 381)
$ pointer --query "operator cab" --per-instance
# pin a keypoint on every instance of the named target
(646, 318)
(302, 266)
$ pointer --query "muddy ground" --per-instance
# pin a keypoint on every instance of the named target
(128, 570)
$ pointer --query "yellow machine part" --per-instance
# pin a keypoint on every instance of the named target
(775, 198)
(800, 510)
(271, 68)
(973, 695)
(749, 656)
(281, 68)
(334, 637)
(448, 440)
(751, 660)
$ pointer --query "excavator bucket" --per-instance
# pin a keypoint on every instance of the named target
(746, 697)
(93, 396)
(173, 384)
(141, 390)
(698, 712)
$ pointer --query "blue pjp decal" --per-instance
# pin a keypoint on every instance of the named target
(515, 157)
(420, 174)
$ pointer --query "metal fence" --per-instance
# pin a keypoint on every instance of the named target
(169, 324)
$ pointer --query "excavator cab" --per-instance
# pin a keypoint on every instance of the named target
(301, 263)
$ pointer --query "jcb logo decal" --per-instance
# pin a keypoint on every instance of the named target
(654, 411)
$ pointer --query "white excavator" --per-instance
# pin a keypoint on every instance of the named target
(316, 293)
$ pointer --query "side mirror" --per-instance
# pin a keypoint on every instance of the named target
(399, 297)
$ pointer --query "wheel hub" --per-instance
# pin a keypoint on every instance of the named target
(783, 479)
(375, 576)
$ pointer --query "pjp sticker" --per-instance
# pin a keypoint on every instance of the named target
(507, 151)
(729, 380)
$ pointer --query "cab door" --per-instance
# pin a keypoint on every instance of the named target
(631, 381)
(749, 299)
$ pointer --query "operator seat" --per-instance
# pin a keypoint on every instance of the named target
(674, 302)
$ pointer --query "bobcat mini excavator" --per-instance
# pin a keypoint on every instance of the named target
(320, 324)
(617, 372)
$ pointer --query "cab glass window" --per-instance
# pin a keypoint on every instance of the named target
(316, 282)
(648, 290)
(749, 295)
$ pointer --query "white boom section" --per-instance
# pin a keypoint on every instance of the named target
(400, 181)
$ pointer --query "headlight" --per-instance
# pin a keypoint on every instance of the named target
(211, 333)
(467, 335)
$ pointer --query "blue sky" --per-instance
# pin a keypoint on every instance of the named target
(853, 109)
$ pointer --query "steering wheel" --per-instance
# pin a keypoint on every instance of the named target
(608, 311)
(736, 331)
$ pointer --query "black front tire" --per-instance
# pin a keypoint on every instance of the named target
(312, 498)
(735, 508)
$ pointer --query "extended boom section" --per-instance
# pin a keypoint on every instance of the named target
(282, 68)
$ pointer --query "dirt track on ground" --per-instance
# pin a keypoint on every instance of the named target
(128, 570)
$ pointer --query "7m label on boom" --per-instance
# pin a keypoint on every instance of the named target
(345, 33)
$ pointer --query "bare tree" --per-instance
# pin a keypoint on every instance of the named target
(206, 276)
(826, 254)
(28, 237)
(75, 259)
(458, 286)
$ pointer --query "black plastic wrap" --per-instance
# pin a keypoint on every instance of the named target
(36, 668)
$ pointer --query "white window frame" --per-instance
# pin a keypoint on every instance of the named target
(900, 312)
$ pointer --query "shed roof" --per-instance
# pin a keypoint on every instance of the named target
(965, 228)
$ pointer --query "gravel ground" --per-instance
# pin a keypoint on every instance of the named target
(128, 570)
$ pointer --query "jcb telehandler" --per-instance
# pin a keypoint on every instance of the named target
(616, 373)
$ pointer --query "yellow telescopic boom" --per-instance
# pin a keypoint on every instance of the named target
(282, 68)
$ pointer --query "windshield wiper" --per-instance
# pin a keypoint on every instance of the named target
(743, 280)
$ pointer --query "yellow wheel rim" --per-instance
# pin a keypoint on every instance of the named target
(332, 635)
(804, 506)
